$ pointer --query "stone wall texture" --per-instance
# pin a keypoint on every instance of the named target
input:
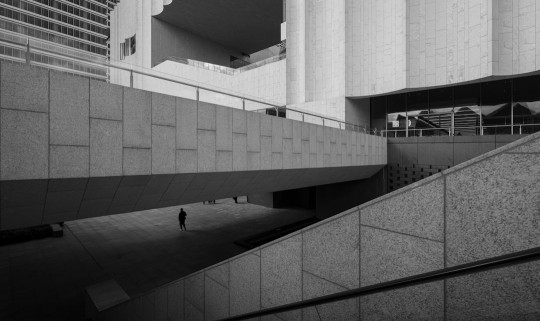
(485, 207)
(113, 149)
(395, 45)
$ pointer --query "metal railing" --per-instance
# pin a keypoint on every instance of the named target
(29, 52)
(223, 69)
(437, 275)
(515, 129)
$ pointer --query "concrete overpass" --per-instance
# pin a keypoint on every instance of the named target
(73, 148)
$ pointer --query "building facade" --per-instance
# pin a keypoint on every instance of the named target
(65, 35)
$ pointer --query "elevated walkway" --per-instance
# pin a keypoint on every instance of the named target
(72, 147)
(485, 208)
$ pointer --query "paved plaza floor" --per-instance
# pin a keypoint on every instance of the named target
(45, 279)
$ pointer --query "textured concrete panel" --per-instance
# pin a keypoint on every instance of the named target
(388, 256)
(509, 293)
(288, 128)
(216, 300)
(466, 151)
(137, 118)
(224, 128)
(163, 149)
(105, 147)
(266, 125)
(194, 290)
(492, 208)
(106, 100)
(206, 116)
(331, 251)
(436, 153)
(287, 153)
(163, 110)
(245, 287)
(186, 161)
(253, 161)
(239, 152)
(281, 272)
(192, 313)
(69, 161)
(137, 161)
(69, 110)
(206, 152)
(160, 305)
(22, 202)
(239, 121)
(530, 147)
(62, 206)
(186, 124)
(266, 152)
(314, 287)
(418, 211)
(422, 302)
(24, 145)
(24, 87)
(277, 135)
(277, 160)
(175, 301)
(297, 137)
(253, 132)
(224, 161)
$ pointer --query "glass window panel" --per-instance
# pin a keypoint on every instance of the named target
(378, 113)
(397, 111)
(439, 118)
(417, 107)
(496, 107)
(526, 105)
(467, 110)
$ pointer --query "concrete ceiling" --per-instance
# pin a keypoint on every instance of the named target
(244, 25)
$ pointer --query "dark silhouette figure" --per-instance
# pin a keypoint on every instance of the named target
(235, 199)
(182, 219)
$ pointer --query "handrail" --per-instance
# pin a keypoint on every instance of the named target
(442, 274)
(460, 128)
(196, 86)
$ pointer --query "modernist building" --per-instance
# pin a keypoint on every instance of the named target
(375, 95)
(78, 29)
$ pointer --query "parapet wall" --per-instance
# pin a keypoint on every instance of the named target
(482, 208)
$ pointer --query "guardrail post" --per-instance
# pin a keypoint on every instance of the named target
(197, 93)
(322, 122)
(27, 51)
(243, 104)
(131, 78)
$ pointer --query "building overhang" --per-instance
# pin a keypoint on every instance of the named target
(245, 25)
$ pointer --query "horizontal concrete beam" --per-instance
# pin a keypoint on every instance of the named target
(72, 147)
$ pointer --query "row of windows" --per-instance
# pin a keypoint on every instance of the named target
(51, 26)
(496, 107)
(56, 16)
(85, 13)
(84, 4)
(47, 36)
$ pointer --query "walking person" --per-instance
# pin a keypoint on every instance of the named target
(182, 219)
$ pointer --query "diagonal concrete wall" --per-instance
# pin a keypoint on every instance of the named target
(485, 207)
(71, 148)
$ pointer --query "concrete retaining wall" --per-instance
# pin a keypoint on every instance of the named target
(482, 208)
